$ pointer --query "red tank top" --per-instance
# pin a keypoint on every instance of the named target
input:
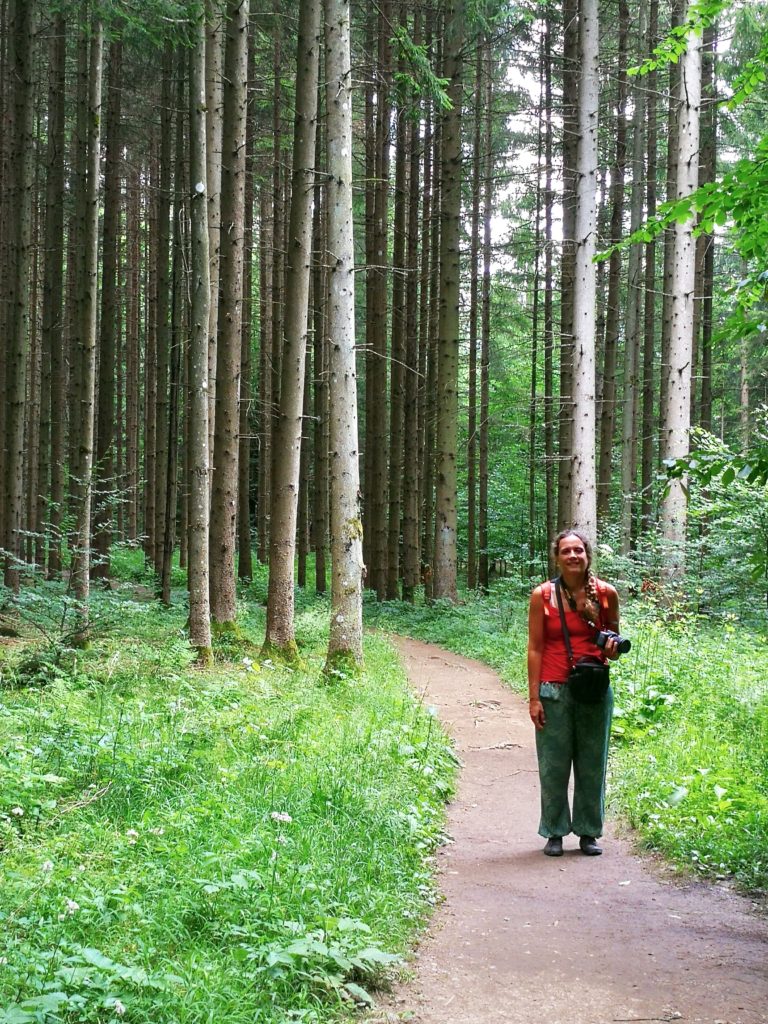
(554, 660)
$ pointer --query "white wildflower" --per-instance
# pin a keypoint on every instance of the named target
(47, 867)
(281, 816)
(119, 1008)
(18, 811)
(132, 835)
(72, 907)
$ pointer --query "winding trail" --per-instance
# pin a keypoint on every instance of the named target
(573, 940)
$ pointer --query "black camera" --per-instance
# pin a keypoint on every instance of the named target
(622, 644)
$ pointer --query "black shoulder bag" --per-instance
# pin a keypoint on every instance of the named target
(589, 677)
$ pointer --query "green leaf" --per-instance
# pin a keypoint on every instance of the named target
(358, 993)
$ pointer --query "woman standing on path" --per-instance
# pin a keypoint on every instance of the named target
(568, 732)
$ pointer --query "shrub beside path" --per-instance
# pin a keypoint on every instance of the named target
(572, 940)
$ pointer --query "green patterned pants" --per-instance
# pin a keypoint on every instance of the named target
(574, 734)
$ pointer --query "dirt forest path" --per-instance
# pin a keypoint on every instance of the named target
(572, 940)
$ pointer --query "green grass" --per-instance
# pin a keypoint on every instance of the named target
(689, 759)
(248, 843)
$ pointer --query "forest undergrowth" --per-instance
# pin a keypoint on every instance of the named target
(246, 843)
(689, 751)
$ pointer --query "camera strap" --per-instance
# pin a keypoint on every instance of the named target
(563, 626)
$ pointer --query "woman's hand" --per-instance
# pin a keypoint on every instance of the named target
(536, 711)
(611, 650)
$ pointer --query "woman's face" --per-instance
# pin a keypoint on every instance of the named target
(572, 555)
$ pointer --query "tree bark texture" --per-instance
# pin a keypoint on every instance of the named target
(280, 631)
(226, 432)
(676, 411)
(345, 643)
(583, 494)
(444, 578)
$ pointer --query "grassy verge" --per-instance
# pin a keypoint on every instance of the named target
(689, 761)
(248, 843)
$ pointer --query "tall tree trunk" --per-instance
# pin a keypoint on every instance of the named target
(245, 555)
(444, 578)
(397, 363)
(177, 334)
(649, 338)
(320, 363)
(411, 415)
(266, 277)
(707, 169)
(345, 644)
(104, 476)
(86, 385)
(485, 336)
(474, 319)
(566, 431)
(162, 308)
(53, 292)
(376, 416)
(608, 405)
(214, 92)
(583, 495)
(22, 22)
(132, 346)
(224, 487)
(673, 133)
(634, 322)
(200, 287)
(676, 412)
(280, 632)
(150, 363)
(549, 327)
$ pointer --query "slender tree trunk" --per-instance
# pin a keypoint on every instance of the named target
(224, 487)
(199, 509)
(397, 363)
(411, 417)
(132, 353)
(177, 333)
(634, 323)
(245, 556)
(214, 92)
(266, 277)
(673, 133)
(707, 241)
(676, 412)
(162, 309)
(150, 366)
(53, 294)
(345, 644)
(302, 522)
(549, 327)
(444, 579)
(485, 337)
(566, 433)
(104, 476)
(280, 633)
(649, 338)
(583, 503)
(474, 318)
(608, 405)
(320, 362)
(376, 417)
(87, 339)
(22, 22)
